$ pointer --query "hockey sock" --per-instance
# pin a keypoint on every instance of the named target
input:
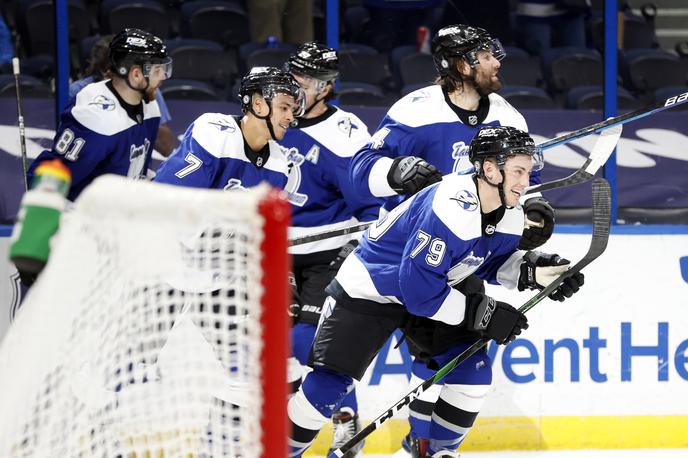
(420, 409)
(454, 415)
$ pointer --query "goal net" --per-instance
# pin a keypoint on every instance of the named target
(152, 332)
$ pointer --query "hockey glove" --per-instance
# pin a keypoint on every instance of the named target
(345, 251)
(539, 223)
(410, 174)
(493, 319)
(540, 269)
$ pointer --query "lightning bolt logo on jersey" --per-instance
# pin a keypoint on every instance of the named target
(424, 124)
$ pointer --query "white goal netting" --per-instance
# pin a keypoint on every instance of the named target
(145, 334)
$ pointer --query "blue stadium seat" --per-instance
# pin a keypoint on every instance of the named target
(148, 15)
(646, 70)
(188, 90)
(525, 98)
(38, 24)
(362, 67)
(202, 60)
(224, 22)
(268, 57)
(568, 67)
(592, 98)
(361, 94)
(520, 69)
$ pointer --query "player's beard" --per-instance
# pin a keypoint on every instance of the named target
(486, 85)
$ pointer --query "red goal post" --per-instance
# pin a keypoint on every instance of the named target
(157, 328)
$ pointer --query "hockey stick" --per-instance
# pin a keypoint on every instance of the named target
(604, 146)
(329, 234)
(618, 120)
(22, 132)
(601, 220)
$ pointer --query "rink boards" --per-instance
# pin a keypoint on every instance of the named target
(606, 369)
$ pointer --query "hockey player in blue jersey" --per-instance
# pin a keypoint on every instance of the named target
(110, 127)
(401, 277)
(320, 146)
(221, 151)
(427, 133)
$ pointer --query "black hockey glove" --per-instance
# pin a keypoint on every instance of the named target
(345, 251)
(539, 223)
(493, 319)
(540, 269)
(410, 174)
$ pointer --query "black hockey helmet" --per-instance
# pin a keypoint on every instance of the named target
(465, 42)
(500, 142)
(137, 47)
(268, 82)
(314, 60)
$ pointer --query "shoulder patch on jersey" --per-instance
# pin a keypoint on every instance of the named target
(346, 126)
(222, 124)
(103, 102)
(466, 200)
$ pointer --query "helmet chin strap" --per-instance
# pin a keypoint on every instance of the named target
(500, 189)
(267, 119)
(140, 91)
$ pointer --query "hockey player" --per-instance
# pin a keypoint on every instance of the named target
(427, 133)
(400, 276)
(429, 130)
(110, 127)
(320, 147)
(221, 151)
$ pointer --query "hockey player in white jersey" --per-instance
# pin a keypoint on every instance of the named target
(429, 130)
(320, 145)
(221, 151)
(401, 277)
(110, 127)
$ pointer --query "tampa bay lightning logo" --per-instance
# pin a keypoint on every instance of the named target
(419, 95)
(467, 200)
(104, 103)
(346, 126)
(223, 125)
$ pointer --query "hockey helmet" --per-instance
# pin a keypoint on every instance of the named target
(137, 47)
(462, 41)
(268, 82)
(500, 142)
(314, 60)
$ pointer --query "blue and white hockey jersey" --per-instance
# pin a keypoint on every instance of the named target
(214, 155)
(320, 150)
(97, 136)
(426, 124)
(433, 240)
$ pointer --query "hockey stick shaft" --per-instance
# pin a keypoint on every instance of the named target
(601, 198)
(329, 234)
(20, 116)
(670, 102)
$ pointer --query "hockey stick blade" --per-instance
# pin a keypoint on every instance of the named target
(604, 146)
(601, 221)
